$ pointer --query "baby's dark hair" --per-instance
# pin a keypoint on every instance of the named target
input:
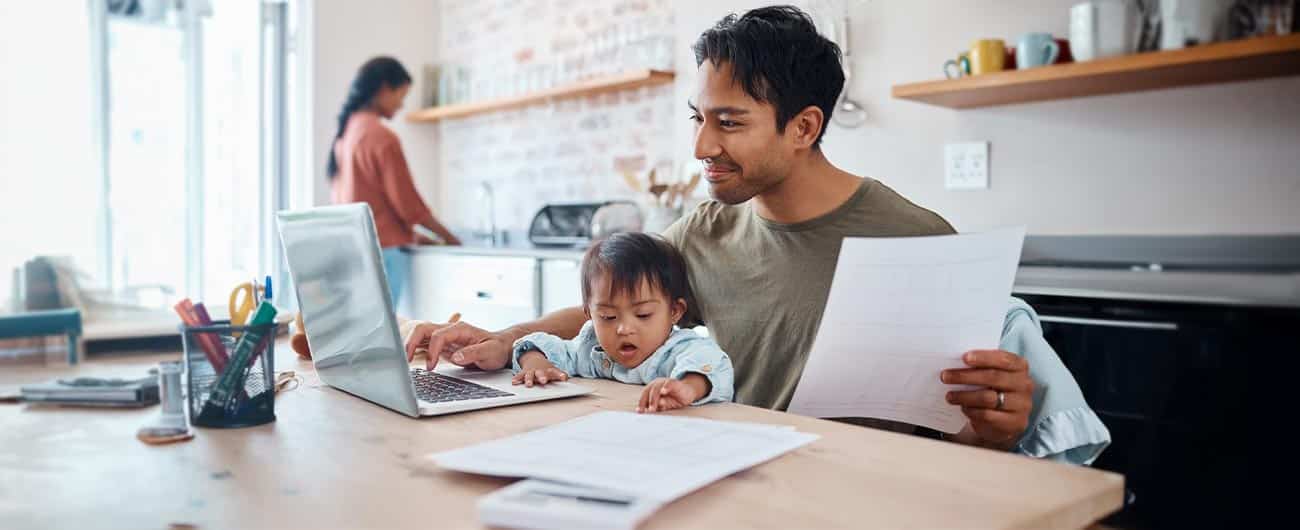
(628, 258)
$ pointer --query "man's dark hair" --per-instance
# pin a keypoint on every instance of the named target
(629, 257)
(778, 57)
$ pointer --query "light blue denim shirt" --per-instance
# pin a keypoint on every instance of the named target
(683, 353)
(1061, 425)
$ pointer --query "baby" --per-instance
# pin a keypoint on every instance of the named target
(634, 290)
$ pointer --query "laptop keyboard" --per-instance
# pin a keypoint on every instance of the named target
(437, 388)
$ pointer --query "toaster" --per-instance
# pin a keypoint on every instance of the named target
(575, 224)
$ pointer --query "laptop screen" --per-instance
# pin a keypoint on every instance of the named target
(338, 276)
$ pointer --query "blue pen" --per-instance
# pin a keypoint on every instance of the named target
(267, 295)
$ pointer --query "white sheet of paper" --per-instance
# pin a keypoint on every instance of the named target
(651, 456)
(900, 311)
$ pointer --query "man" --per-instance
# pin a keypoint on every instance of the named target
(762, 253)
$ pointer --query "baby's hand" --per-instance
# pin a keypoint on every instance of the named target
(534, 368)
(665, 394)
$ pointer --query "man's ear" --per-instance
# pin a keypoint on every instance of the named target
(678, 310)
(805, 126)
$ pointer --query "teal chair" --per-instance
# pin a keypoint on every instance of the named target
(48, 322)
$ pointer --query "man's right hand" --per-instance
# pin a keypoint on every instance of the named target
(460, 343)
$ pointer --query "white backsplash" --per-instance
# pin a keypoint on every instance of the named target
(564, 151)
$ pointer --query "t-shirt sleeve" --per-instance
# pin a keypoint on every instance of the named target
(675, 234)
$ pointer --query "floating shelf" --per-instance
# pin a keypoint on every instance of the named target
(1213, 63)
(599, 85)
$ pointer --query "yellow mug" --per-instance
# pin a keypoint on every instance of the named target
(985, 56)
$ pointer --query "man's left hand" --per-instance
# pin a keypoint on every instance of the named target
(996, 422)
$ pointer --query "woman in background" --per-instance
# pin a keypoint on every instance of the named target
(366, 165)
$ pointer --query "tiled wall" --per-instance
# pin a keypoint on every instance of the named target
(569, 150)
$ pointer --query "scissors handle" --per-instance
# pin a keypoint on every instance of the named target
(239, 310)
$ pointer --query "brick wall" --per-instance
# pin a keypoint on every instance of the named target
(568, 150)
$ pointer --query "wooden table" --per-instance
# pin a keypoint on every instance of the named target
(335, 461)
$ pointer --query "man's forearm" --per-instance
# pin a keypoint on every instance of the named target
(564, 323)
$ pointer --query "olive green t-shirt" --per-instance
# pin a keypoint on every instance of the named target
(760, 286)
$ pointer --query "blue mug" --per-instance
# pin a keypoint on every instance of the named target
(1036, 49)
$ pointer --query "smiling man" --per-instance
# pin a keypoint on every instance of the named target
(762, 253)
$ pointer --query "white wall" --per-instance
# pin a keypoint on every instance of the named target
(1220, 159)
(344, 34)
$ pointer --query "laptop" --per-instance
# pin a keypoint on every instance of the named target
(338, 276)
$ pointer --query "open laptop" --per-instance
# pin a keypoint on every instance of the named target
(338, 275)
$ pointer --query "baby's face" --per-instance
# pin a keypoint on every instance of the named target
(631, 326)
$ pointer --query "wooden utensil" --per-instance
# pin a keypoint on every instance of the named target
(632, 181)
(658, 191)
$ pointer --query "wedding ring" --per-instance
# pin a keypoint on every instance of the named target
(1002, 400)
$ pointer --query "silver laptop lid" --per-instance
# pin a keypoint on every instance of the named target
(338, 276)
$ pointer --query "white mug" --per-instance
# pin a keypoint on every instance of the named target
(1184, 22)
(1103, 28)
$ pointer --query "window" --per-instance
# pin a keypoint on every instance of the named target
(147, 155)
(161, 179)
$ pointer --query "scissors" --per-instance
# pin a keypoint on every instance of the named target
(240, 309)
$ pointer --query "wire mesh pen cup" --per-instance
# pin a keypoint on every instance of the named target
(238, 390)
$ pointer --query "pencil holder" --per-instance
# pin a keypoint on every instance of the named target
(229, 372)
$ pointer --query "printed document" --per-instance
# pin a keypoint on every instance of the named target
(901, 310)
(653, 457)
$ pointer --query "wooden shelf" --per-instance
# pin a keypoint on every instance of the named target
(1214, 63)
(612, 83)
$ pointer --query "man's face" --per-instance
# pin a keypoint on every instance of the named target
(736, 138)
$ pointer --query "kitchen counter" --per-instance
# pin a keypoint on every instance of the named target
(1219, 288)
(522, 250)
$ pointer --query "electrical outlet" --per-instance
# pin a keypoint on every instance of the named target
(966, 166)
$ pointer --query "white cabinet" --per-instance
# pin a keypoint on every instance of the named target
(491, 292)
(561, 284)
(422, 288)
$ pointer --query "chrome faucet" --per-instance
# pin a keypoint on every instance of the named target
(486, 194)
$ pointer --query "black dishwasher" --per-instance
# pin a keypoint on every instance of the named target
(1171, 382)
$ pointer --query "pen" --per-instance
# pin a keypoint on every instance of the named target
(583, 498)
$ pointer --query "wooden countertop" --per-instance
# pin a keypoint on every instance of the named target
(336, 461)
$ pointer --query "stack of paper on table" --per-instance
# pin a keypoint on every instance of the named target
(900, 311)
(636, 461)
